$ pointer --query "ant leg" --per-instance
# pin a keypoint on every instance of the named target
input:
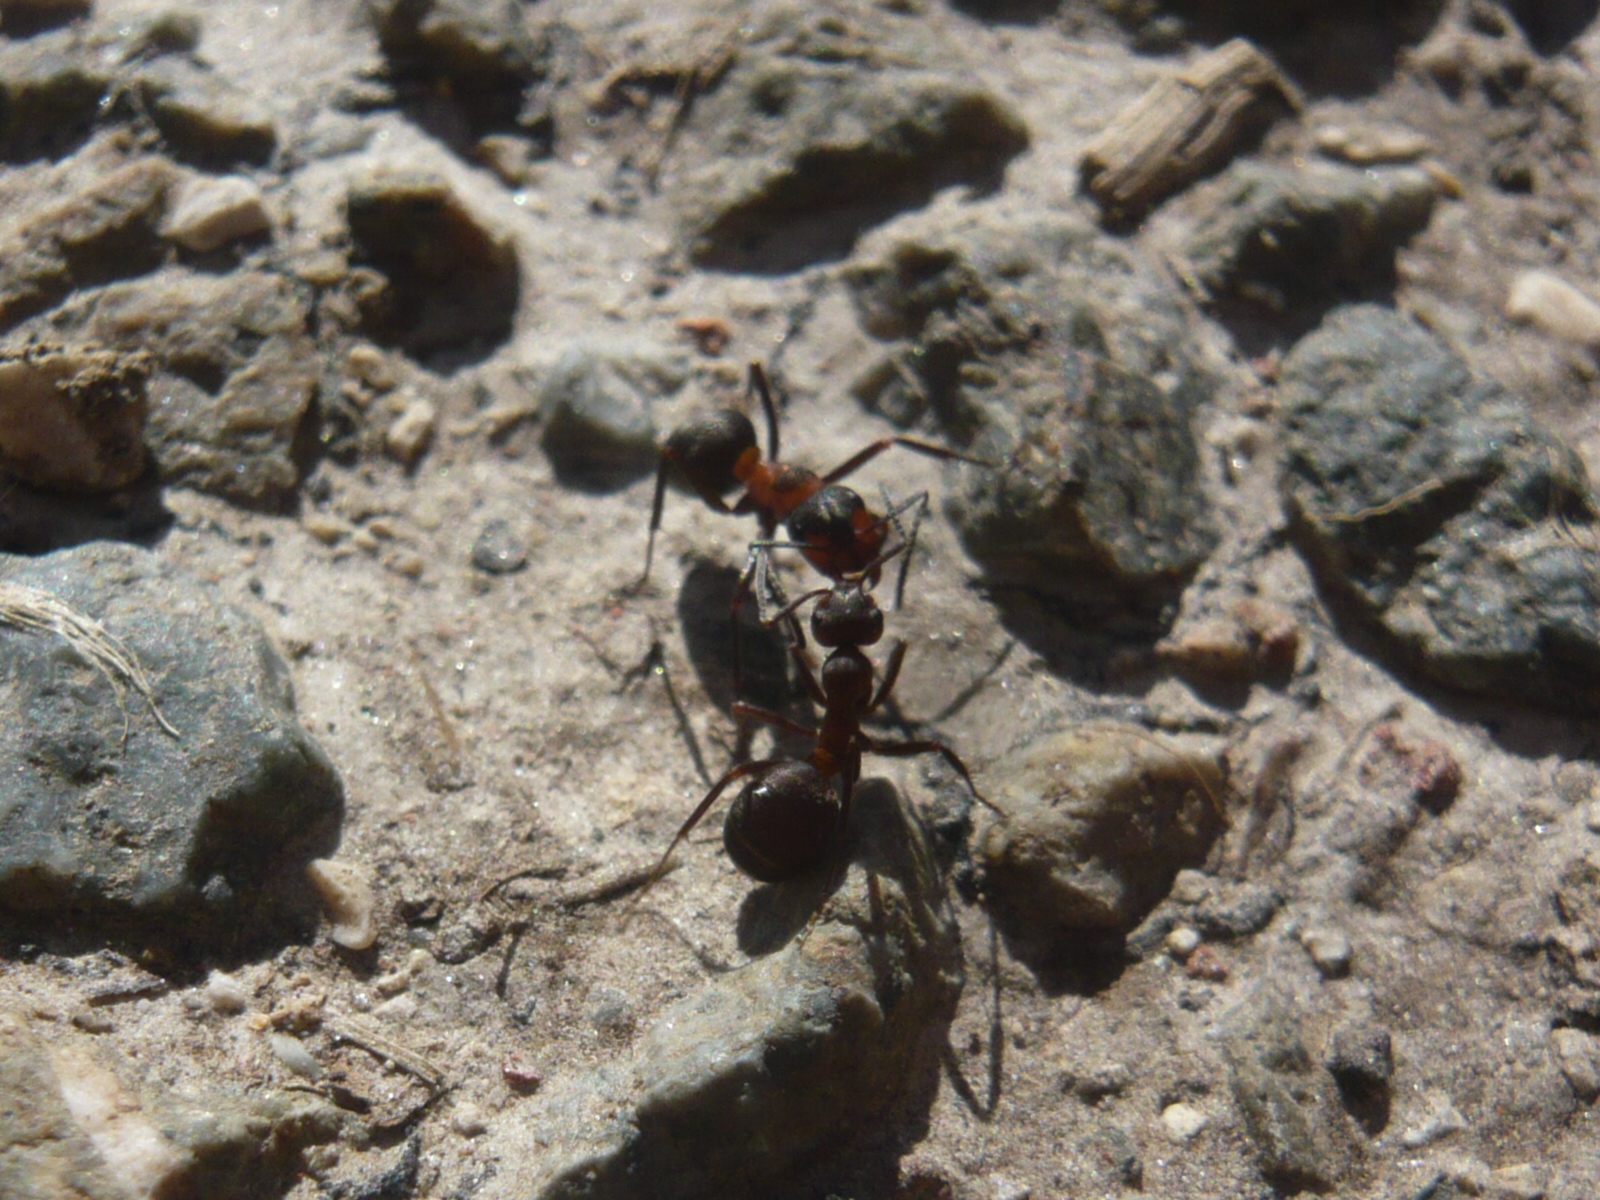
(754, 712)
(655, 524)
(762, 387)
(907, 749)
(757, 577)
(891, 672)
(862, 457)
(733, 775)
(919, 502)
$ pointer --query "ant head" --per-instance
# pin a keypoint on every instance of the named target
(715, 452)
(847, 616)
(829, 519)
(782, 822)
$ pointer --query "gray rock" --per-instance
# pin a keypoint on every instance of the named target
(1098, 822)
(1286, 234)
(50, 93)
(450, 284)
(1431, 500)
(798, 149)
(786, 1059)
(596, 405)
(235, 374)
(498, 550)
(109, 230)
(1012, 335)
(203, 118)
(1236, 909)
(108, 816)
(1291, 1113)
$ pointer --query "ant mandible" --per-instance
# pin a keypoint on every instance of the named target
(830, 524)
(791, 810)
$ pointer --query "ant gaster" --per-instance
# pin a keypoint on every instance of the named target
(791, 811)
(830, 524)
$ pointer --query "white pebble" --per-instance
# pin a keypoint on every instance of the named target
(467, 1120)
(294, 1056)
(412, 432)
(1183, 1121)
(1555, 307)
(346, 891)
(1183, 941)
(210, 213)
(225, 993)
(1329, 950)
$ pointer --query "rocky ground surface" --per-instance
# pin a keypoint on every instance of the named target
(339, 736)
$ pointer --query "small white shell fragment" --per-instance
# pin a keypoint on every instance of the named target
(1555, 307)
(294, 1056)
(225, 993)
(1368, 144)
(412, 432)
(346, 891)
(1183, 1121)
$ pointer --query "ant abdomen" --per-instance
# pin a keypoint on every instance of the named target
(782, 822)
(709, 451)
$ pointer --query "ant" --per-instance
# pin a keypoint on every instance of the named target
(830, 524)
(789, 813)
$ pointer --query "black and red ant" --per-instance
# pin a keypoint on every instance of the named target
(830, 524)
(792, 811)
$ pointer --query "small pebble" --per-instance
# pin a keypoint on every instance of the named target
(1591, 816)
(1205, 963)
(1578, 1055)
(1001, 1188)
(412, 432)
(1183, 1121)
(294, 1056)
(1329, 950)
(225, 993)
(498, 550)
(346, 891)
(1518, 1181)
(1554, 307)
(468, 1121)
(519, 1074)
(1183, 941)
(209, 213)
(371, 367)
(1366, 145)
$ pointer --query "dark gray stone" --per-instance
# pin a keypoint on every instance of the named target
(498, 550)
(785, 1060)
(1459, 528)
(799, 149)
(1236, 910)
(110, 821)
(1284, 234)
(1098, 822)
(596, 404)
(1013, 336)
